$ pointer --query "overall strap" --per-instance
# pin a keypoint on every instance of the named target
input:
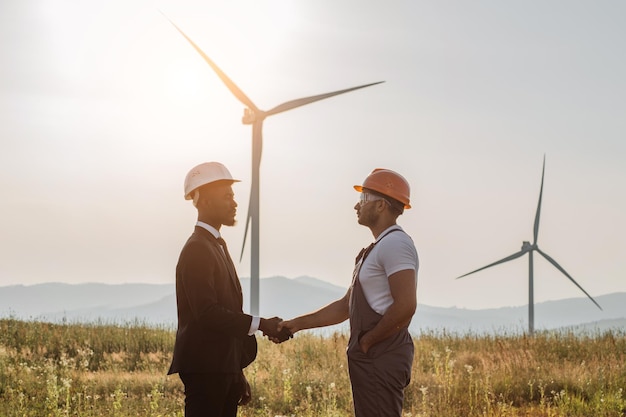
(366, 251)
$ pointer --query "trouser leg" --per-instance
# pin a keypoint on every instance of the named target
(211, 395)
(378, 386)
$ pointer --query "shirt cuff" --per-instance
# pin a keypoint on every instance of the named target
(254, 325)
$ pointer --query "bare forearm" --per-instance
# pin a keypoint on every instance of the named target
(333, 313)
(403, 290)
(395, 318)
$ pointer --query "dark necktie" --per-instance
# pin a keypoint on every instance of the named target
(229, 261)
(222, 242)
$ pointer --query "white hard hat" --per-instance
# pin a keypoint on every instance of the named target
(203, 174)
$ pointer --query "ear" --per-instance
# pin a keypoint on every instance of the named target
(205, 203)
(381, 205)
(201, 201)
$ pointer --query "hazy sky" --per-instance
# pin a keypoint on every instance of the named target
(104, 108)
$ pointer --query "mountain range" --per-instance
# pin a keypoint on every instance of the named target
(155, 304)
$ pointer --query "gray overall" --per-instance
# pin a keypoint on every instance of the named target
(379, 376)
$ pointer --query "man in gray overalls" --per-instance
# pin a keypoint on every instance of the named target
(380, 301)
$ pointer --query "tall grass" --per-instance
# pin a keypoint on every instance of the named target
(119, 370)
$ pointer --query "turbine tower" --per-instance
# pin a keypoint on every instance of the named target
(254, 116)
(528, 248)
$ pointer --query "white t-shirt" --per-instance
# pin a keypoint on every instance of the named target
(393, 253)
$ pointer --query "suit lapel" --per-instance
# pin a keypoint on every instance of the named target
(223, 254)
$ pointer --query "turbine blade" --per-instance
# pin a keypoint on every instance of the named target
(245, 233)
(560, 268)
(307, 100)
(537, 215)
(227, 81)
(501, 261)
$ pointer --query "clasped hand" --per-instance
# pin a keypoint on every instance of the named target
(274, 331)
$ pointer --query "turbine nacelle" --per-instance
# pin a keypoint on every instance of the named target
(526, 246)
(250, 116)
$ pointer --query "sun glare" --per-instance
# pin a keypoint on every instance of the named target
(246, 33)
(186, 82)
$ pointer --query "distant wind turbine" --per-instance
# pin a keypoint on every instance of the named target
(254, 116)
(528, 248)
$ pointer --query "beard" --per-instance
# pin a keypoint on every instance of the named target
(229, 221)
(367, 218)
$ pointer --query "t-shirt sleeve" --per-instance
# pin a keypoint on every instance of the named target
(398, 255)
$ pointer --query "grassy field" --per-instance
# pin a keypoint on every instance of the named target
(119, 371)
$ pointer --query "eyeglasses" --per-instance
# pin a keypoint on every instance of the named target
(365, 198)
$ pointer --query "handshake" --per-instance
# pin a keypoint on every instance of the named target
(275, 331)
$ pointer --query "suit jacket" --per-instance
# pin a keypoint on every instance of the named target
(212, 333)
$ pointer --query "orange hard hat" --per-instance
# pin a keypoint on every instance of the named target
(388, 183)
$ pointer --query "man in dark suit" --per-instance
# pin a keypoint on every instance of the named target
(215, 340)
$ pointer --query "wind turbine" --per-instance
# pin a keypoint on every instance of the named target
(527, 248)
(254, 116)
